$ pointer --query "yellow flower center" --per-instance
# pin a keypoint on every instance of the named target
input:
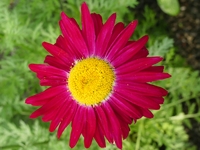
(91, 81)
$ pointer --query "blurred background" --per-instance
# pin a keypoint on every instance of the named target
(174, 30)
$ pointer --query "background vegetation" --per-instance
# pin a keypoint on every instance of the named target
(25, 24)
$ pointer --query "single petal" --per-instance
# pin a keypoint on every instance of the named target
(124, 121)
(121, 40)
(52, 104)
(138, 65)
(64, 44)
(115, 128)
(73, 34)
(53, 61)
(77, 125)
(147, 113)
(154, 69)
(90, 126)
(104, 36)
(67, 119)
(142, 53)
(43, 97)
(52, 82)
(49, 115)
(88, 30)
(46, 70)
(99, 136)
(142, 88)
(129, 51)
(136, 99)
(118, 28)
(98, 23)
(144, 76)
(103, 122)
(58, 53)
(125, 108)
(64, 111)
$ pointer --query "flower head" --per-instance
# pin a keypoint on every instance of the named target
(98, 80)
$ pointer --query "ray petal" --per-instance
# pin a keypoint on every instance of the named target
(88, 29)
(98, 23)
(77, 125)
(58, 53)
(144, 76)
(104, 36)
(46, 69)
(53, 61)
(90, 127)
(138, 64)
(121, 39)
(129, 51)
(99, 136)
(136, 99)
(143, 88)
(64, 110)
(52, 104)
(115, 128)
(104, 123)
(45, 95)
(67, 119)
(73, 34)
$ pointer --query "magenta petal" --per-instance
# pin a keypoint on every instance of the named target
(104, 36)
(64, 111)
(125, 108)
(138, 65)
(45, 95)
(49, 75)
(90, 126)
(65, 45)
(142, 88)
(142, 53)
(53, 61)
(121, 40)
(99, 136)
(104, 123)
(58, 53)
(115, 128)
(42, 68)
(147, 113)
(49, 115)
(88, 30)
(73, 34)
(154, 69)
(144, 76)
(67, 119)
(118, 28)
(125, 129)
(159, 100)
(124, 121)
(77, 125)
(98, 23)
(138, 100)
(52, 104)
(54, 82)
(129, 51)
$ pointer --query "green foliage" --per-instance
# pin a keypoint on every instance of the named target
(170, 7)
(25, 24)
(103, 7)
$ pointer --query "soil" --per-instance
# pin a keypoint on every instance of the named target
(185, 30)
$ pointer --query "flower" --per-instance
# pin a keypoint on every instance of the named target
(98, 80)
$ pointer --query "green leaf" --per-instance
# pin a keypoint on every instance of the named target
(170, 7)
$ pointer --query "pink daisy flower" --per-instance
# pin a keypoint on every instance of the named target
(98, 80)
